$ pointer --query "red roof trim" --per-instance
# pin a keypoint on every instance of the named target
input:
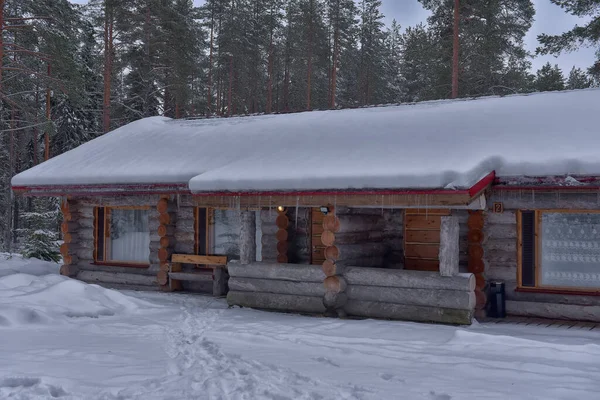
(130, 189)
(103, 189)
(482, 184)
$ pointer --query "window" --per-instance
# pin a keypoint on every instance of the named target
(559, 250)
(122, 235)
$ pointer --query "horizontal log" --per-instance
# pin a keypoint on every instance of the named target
(505, 273)
(359, 223)
(69, 227)
(507, 245)
(500, 257)
(200, 276)
(83, 254)
(369, 262)
(371, 309)
(85, 234)
(362, 211)
(185, 247)
(287, 272)
(87, 266)
(185, 213)
(84, 222)
(276, 286)
(553, 311)
(116, 277)
(334, 300)
(117, 201)
(70, 259)
(69, 270)
(361, 250)
(500, 231)
(269, 229)
(185, 225)
(408, 279)
(359, 237)
(553, 298)
(507, 217)
(420, 297)
(280, 302)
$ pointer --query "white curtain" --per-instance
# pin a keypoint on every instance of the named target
(129, 236)
(570, 250)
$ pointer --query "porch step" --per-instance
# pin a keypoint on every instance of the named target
(200, 276)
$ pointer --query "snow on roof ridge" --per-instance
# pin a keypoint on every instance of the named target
(403, 146)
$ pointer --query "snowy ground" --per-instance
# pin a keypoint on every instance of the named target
(61, 338)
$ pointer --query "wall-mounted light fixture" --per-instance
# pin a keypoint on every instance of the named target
(281, 209)
(324, 210)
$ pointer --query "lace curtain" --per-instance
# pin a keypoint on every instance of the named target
(129, 236)
(570, 250)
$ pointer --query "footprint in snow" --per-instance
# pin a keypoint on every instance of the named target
(443, 396)
(391, 377)
(327, 361)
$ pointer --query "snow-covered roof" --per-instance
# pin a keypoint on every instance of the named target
(439, 144)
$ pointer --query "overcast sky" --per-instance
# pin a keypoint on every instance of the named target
(549, 18)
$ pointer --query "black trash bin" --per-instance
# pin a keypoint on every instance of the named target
(497, 300)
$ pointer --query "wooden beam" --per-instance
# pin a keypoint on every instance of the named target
(351, 200)
(203, 260)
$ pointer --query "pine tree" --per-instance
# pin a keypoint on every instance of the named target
(40, 233)
(419, 64)
(372, 53)
(491, 35)
(586, 35)
(578, 79)
(549, 78)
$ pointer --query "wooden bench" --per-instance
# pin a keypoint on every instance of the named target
(212, 268)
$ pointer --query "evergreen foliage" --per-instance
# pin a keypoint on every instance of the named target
(549, 78)
(40, 238)
(116, 61)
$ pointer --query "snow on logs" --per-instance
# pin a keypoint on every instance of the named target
(276, 286)
(410, 295)
(69, 229)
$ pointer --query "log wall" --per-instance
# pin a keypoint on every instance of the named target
(276, 286)
(370, 292)
(500, 255)
(82, 244)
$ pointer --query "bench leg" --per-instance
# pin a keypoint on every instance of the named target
(220, 279)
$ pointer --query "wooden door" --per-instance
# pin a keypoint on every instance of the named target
(422, 239)
(316, 229)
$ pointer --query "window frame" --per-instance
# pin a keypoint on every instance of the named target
(105, 224)
(537, 240)
(208, 229)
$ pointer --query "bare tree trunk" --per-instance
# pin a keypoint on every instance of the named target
(47, 134)
(108, 47)
(310, 54)
(336, 39)
(229, 96)
(455, 47)
(210, 63)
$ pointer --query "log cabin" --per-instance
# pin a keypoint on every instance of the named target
(408, 212)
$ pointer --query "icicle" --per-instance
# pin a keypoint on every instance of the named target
(382, 199)
(297, 206)
(533, 196)
(178, 202)
(270, 207)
